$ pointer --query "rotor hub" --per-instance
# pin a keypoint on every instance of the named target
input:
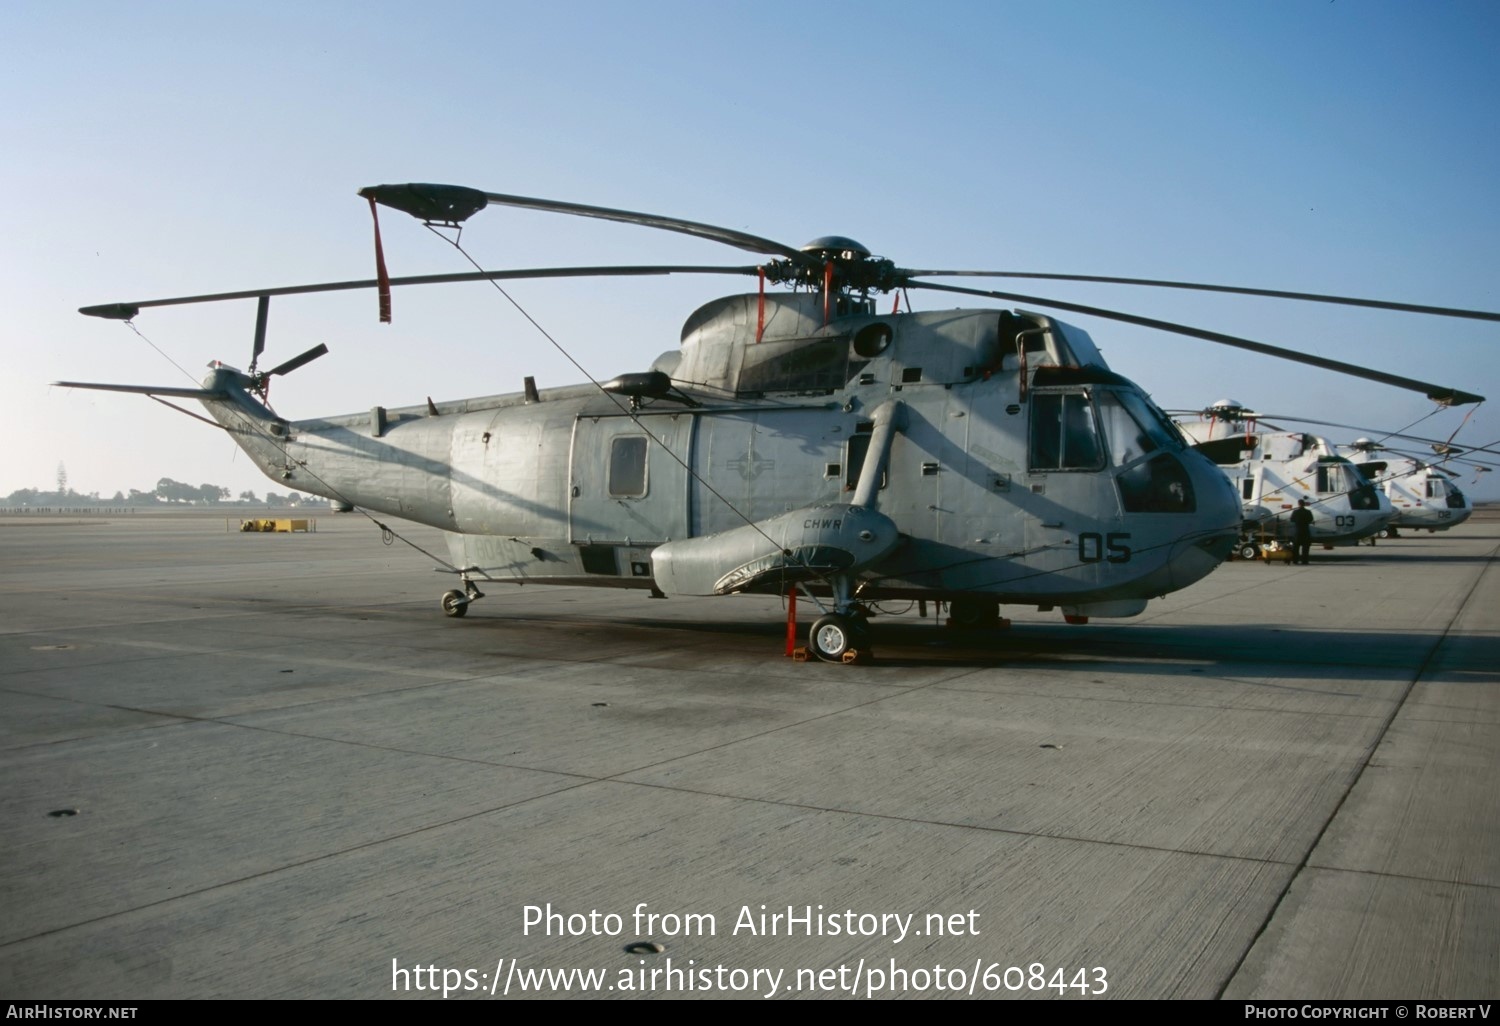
(838, 248)
(837, 261)
(1229, 410)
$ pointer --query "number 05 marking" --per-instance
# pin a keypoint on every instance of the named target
(1094, 547)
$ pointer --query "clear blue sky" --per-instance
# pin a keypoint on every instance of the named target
(159, 149)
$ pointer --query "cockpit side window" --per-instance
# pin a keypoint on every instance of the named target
(1064, 434)
(1330, 479)
(1340, 477)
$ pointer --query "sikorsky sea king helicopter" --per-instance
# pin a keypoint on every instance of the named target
(794, 440)
(1423, 495)
(1272, 469)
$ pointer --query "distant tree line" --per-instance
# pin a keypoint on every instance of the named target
(166, 492)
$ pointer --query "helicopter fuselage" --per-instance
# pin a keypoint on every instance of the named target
(1421, 496)
(1272, 470)
(1023, 469)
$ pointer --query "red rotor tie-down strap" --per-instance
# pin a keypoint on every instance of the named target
(382, 276)
(827, 289)
(760, 308)
(791, 622)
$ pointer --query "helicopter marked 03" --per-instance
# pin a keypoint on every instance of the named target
(1419, 493)
(793, 440)
(1271, 470)
(1423, 494)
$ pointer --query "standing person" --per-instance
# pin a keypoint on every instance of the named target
(1302, 519)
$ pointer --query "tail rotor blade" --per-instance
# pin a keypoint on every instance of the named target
(297, 361)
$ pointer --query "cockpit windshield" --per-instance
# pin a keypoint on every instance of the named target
(1134, 426)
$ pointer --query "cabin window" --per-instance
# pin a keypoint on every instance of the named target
(1455, 498)
(1248, 489)
(1434, 488)
(627, 467)
(1064, 435)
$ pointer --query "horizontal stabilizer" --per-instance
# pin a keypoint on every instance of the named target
(179, 393)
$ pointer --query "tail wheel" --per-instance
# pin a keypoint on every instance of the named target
(455, 603)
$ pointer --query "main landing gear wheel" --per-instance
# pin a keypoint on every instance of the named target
(1249, 550)
(455, 603)
(840, 639)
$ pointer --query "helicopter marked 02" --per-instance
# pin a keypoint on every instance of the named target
(1271, 470)
(792, 440)
(1421, 495)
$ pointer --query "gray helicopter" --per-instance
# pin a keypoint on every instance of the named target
(794, 441)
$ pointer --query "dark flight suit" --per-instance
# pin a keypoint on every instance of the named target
(1302, 519)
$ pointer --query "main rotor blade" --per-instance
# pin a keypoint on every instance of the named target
(1382, 432)
(152, 390)
(126, 311)
(1311, 297)
(1265, 421)
(1437, 393)
(1427, 459)
(1457, 449)
(420, 200)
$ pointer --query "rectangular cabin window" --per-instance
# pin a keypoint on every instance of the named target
(1064, 435)
(627, 467)
(1248, 489)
